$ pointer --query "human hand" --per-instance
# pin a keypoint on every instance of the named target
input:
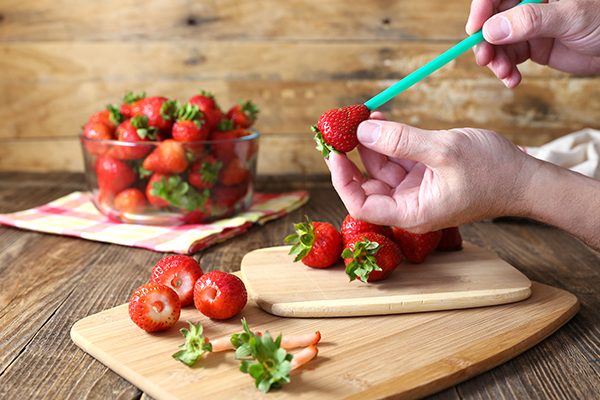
(564, 35)
(427, 180)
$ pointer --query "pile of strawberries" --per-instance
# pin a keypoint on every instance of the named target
(182, 157)
(178, 281)
(370, 252)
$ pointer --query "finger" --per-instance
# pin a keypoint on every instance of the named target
(377, 115)
(400, 141)
(512, 80)
(485, 53)
(526, 22)
(375, 186)
(501, 65)
(343, 178)
(380, 167)
(480, 11)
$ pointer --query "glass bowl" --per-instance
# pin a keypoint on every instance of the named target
(214, 179)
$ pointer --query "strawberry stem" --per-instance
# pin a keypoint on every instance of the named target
(195, 346)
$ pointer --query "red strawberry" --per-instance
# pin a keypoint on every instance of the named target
(234, 173)
(207, 105)
(203, 173)
(220, 295)
(96, 131)
(229, 196)
(154, 307)
(371, 257)
(243, 114)
(128, 100)
(316, 244)
(130, 201)
(155, 181)
(134, 130)
(225, 143)
(451, 240)
(113, 175)
(416, 246)
(159, 110)
(111, 117)
(352, 226)
(180, 273)
(190, 125)
(336, 128)
(198, 216)
(168, 158)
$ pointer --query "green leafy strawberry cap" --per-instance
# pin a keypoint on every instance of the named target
(206, 93)
(263, 358)
(363, 259)
(143, 172)
(301, 241)
(169, 109)
(209, 171)
(131, 97)
(195, 346)
(190, 112)
(114, 114)
(225, 125)
(322, 146)
(144, 131)
(249, 108)
(180, 194)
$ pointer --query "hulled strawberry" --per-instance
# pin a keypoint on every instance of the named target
(190, 125)
(451, 240)
(113, 175)
(352, 226)
(159, 110)
(416, 246)
(336, 129)
(154, 307)
(234, 173)
(204, 173)
(243, 114)
(207, 105)
(371, 257)
(316, 244)
(134, 130)
(168, 158)
(128, 100)
(220, 295)
(130, 201)
(180, 273)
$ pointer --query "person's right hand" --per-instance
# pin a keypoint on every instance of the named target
(564, 35)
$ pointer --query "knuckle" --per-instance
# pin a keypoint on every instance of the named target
(529, 17)
(396, 140)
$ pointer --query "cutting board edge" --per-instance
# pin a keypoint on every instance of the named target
(349, 308)
(384, 389)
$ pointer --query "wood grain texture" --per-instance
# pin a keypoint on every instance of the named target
(565, 366)
(473, 277)
(459, 344)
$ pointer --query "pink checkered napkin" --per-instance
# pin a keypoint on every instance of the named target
(75, 215)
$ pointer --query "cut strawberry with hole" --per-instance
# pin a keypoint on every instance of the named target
(154, 307)
(220, 295)
(180, 273)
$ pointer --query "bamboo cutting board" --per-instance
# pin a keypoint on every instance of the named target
(405, 356)
(473, 277)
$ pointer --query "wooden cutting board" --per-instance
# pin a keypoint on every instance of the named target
(473, 277)
(407, 355)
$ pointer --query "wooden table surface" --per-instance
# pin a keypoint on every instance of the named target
(48, 282)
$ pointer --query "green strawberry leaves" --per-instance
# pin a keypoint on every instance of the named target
(144, 131)
(180, 194)
(262, 358)
(302, 240)
(225, 125)
(322, 146)
(143, 172)
(195, 345)
(168, 109)
(190, 112)
(114, 114)
(131, 97)
(363, 260)
(209, 171)
(249, 108)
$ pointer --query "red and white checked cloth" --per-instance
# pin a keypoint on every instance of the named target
(75, 215)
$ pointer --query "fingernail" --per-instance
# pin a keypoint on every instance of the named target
(498, 28)
(368, 132)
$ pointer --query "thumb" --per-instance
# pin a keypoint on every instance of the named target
(525, 22)
(399, 140)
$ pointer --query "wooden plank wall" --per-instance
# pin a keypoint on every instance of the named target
(60, 60)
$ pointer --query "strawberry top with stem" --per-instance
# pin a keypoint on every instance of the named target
(316, 244)
(363, 260)
(195, 347)
(179, 193)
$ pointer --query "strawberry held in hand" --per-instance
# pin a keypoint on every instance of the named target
(180, 273)
(371, 257)
(316, 244)
(416, 246)
(336, 129)
(154, 307)
(352, 226)
(220, 295)
(190, 125)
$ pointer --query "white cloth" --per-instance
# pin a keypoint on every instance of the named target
(578, 151)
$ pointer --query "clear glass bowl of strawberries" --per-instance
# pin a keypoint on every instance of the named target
(156, 161)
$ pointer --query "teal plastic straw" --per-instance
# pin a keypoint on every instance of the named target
(430, 67)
